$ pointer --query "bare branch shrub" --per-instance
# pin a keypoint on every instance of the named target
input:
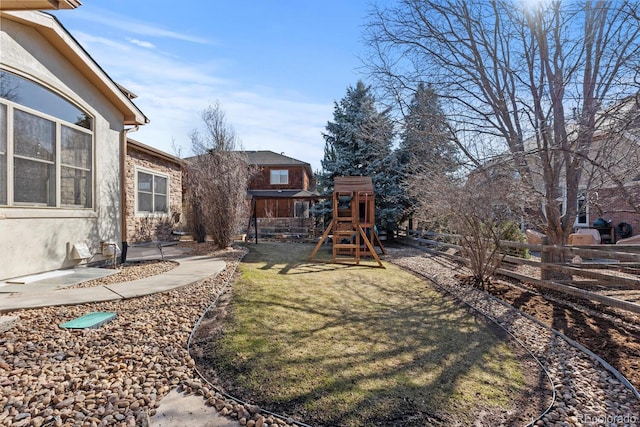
(483, 210)
(216, 180)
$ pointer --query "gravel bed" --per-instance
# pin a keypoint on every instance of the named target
(586, 394)
(114, 375)
(117, 374)
(129, 272)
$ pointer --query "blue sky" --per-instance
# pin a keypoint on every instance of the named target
(276, 67)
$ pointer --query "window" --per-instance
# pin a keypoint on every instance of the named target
(49, 160)
(582, 218)
(152, 193)
(301, 209)
(279, 176)
(3, 154)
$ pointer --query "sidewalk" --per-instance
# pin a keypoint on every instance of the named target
(47, 293)
(175, 410)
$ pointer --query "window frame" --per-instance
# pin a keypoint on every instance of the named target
(10, 155)
(582, 201)
(154, 174)
(280, 175)
(301, 209)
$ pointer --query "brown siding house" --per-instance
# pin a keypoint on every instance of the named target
(281, 192)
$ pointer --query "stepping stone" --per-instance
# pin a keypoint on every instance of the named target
(8, 322)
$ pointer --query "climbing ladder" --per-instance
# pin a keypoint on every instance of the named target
(352, 228)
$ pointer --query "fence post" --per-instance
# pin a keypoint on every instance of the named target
(546, 257)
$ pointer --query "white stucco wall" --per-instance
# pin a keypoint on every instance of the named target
(34, 240)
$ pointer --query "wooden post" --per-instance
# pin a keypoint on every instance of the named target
(255, 220)
(546, 257)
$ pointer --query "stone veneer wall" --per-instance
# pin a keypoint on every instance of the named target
(145, 228)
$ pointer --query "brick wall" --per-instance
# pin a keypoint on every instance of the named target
(144, 228)
(615, 208)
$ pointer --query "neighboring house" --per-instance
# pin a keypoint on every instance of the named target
(153, 194)
(281, 191)
(609, 181)
(63, 133)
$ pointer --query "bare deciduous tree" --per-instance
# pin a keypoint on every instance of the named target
(483, 210)
(216, 180)
(530, 79)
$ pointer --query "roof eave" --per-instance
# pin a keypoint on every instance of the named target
(61, 39)
(39, 4)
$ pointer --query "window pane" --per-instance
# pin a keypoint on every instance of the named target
(34, 136)
(279, 177)
(75, 187)
(34, 182)
(76, 148)
(145, 182)
(160, 203)
(3, 154)
(160, 185)
(33, 95)
(582, 211)
(145, 202)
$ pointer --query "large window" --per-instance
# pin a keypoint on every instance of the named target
(279, 176)
(49, 159)
(3, 154)
(152, 192)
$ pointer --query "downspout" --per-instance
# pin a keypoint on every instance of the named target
(123, 190)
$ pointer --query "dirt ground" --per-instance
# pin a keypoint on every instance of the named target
(611, 334)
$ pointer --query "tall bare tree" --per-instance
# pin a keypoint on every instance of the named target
(216, 180)
(530, 79)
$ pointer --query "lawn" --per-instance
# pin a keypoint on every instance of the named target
(336, 345)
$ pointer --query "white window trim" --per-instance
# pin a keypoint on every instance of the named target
(586, 201)
(10, 155)
(140, 214)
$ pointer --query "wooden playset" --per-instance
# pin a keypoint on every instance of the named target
(352, 229)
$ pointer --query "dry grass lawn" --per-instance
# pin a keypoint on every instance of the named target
(336, 345)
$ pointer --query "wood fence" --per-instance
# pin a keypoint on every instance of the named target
(607, 274)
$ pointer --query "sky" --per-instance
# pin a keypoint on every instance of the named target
(275, 66)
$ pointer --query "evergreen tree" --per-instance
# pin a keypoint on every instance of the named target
(358, 143)
(426, 149)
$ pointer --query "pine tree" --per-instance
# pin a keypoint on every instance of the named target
(358, 143)
(425, 149)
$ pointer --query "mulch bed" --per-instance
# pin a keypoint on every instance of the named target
(613, 335)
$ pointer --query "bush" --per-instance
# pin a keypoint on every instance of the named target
(511, 232)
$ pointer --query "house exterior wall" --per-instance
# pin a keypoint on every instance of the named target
(297, 179)
(34, 239)
(145, 227)
(612, 206)
(275, 208)
(278, 208)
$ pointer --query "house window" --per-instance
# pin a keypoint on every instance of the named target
(152, 192)
(302, 209)
(279, 176)
(49, 159)
(3, 154)
(582, 218)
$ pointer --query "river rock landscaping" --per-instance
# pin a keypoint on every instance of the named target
(118, 374)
